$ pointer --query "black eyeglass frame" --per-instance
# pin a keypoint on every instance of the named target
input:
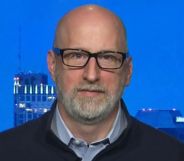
(59, 51)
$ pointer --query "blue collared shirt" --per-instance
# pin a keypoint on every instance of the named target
(83, 150)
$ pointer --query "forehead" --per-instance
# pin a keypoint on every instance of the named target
(89, 29)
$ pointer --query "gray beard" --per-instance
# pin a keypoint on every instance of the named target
(89, 110)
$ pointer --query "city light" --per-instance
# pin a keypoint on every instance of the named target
(29, 109)
(180, 119)
(22, 105)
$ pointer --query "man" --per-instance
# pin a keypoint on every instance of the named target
(91, 67)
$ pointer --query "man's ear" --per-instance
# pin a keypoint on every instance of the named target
(51, 63)
(129, 68)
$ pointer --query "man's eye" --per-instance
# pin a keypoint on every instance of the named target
(109, 57)
(74, 55)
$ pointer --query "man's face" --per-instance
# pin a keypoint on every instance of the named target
(90, 94)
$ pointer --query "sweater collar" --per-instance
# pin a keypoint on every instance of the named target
(52, 138)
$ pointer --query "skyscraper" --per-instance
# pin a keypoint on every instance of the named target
(168, 121)
(32, 96)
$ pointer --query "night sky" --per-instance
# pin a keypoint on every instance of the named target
(155, 40)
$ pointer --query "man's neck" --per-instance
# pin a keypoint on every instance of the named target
(89, 133)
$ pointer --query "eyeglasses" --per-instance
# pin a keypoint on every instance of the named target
(79, 58)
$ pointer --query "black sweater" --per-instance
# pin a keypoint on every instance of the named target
(34, 141)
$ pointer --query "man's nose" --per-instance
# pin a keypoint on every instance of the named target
(91, 71)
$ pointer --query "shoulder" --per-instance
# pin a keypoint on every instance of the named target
(154, 139)
(31, 141)
(146, 143)
(30, 128)
(24, 132)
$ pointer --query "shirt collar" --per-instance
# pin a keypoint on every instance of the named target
(119, 125)
(65, 135)
(62, 130)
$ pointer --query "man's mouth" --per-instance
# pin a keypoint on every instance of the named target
(90, 93)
